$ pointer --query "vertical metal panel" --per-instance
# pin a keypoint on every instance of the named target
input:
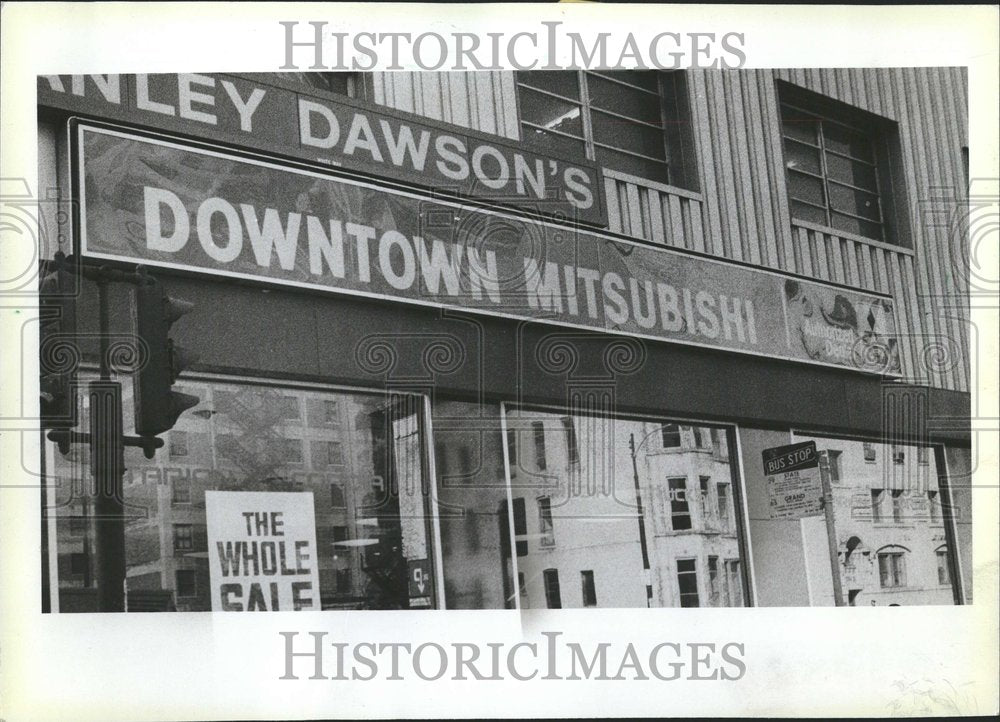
(482, 101)
(656, 217)
(676, 222)
(705, 154)
(614, 210)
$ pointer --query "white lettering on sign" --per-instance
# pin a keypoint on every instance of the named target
(262, 551)
(441, 268)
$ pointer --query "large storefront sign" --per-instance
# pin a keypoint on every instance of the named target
(339, 131)
(262, 551)
(159, 203)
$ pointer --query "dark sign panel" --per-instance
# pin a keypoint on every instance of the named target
(793, 457)
(164, 204)
(341, 132)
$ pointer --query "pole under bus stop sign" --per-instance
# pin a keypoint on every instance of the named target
(796, 490)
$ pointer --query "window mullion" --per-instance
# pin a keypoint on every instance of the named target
(588, 126)
(821, 136)
(663, 122)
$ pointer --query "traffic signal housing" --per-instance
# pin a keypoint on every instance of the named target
(59, 354)
(157, 405)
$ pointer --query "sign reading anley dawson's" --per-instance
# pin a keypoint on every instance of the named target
(336, 130)
(164, 204)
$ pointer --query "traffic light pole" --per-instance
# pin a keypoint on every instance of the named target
(107, 455)
(157, 407)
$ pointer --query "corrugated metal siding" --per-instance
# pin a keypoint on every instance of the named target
(742, 211)
(483, 101)
(930, 106)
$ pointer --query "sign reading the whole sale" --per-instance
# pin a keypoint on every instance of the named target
(262, 551)
(164, 204)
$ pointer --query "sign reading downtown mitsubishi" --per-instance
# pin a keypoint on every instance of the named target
(160, 203)
(336, 130)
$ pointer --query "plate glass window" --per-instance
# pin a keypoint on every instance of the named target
(888, 521)
(369, 506)
(620, 512)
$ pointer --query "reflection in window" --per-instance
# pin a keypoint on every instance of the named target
(680, 513)
(829, 465)
(370, 517)
(734, 583)
(538, 434)
(943, 566)
(520, 527)
(897, 506)
(722, 491)
(687, 582)
(183, 537)
(546, 535)
(553, 599)
(888, 521)
(476, 519)
(877, 496)
(626, 513)
(588, 590)
(572, 453)
(892, 569)
(512, 451)
(713, 581)
(180, 491)
(178, 444)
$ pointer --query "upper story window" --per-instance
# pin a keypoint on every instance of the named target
(840, 167)
(343, 83)
(625, 120)
(671, 434)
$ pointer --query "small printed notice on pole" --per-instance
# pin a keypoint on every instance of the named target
(794, 485)
(262, 551)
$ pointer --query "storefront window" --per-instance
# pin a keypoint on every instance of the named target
(888, 516)
(640, 511)
(475, 518)
(358, 456)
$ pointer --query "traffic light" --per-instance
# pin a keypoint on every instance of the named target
(57, 345)
(157, 406)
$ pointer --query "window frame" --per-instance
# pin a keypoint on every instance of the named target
(886, 165)
(674, 503)
(553, 593)
(183, 542)
(546, 526)
(895, 568)
(514, 414)
(694, 574)
(588, 588)
(420, 403)
(673, 106)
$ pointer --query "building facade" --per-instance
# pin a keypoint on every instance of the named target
(523, 338)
